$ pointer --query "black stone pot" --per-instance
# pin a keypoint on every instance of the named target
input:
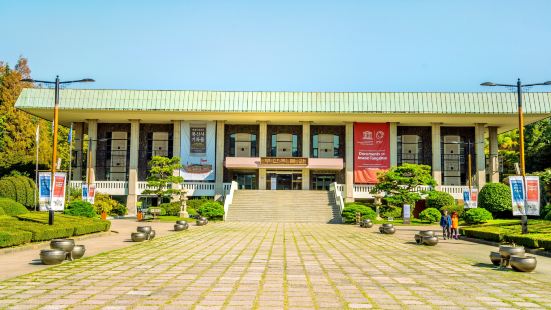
(201, 221)
(430, 241)
(495, 257)
(180, 227)
(52, 257)
(389, 230)
(66, 245)
(151, 235)
(523, 263)
(388, 225)
(417, 238)
(144, 229)
(181, 222)
(138, 236)
(78, 251)
(506, 251)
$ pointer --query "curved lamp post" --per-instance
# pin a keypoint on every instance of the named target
(519, 86)
(57, 82)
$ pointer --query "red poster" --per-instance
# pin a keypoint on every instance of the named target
(371, 151)
(59, 186)
(532, 193)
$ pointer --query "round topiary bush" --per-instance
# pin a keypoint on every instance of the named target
(350, 209)
(438, 200)
(431, 215)
(477, 216)
(496, 198)
(12, 207)
(172, 208)
(19, 188)
(454, 208)
(212, 210)
(80, 208)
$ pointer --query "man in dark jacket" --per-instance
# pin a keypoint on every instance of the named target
(446, 223)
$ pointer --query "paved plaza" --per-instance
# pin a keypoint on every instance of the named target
(275, 265)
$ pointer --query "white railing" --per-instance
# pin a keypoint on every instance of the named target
(75, 184)
(455, 191)
(363, 190)
(199, 189)
(227, 187)
(337, 192)
(118, 188)
(340, 187)
(229, 197)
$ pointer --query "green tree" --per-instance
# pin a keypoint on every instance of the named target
(161, 177)
(399, 183)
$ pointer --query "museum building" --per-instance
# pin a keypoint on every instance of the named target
(282, 140)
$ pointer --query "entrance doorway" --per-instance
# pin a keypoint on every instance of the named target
(284, 180)
(321, 182)
(246, 180)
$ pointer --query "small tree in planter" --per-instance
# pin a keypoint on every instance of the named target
(399, 184)
(161, 177)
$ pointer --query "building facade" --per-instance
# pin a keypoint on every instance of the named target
(282, 140)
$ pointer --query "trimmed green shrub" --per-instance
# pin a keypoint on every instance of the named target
(19, 188)
(118, 210)
(454, 208)
(350, 209)
(12, 207)
(477, 216)
(2, 212)
(80, 208)
(212, 210)
(544, 211)
(548, 216)
(14, 237)
(485, 233)
(196, 203)
(528, 240)
(390, 211)
(162, 211)
(172, 208)
(431, 215)
(191, 211)
(82, 225)
(438, 200)
(495, 197)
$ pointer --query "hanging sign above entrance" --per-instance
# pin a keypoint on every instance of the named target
(284, 161)
(371, 151)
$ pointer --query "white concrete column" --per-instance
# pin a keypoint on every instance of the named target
(349, 161)
(262, 178)
(494, 155)
(262, 139)
(393, 144)
(78, 136)
(132, 198)
(306, 179)
(306, 139)
(176, 138)
(479, 154)
(219, 186)
(92, 148)
(436, 154)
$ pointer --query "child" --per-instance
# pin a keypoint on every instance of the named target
(455, 224)
(445, 223)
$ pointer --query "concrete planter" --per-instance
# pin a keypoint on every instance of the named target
(78, 251)
(66, 245)
(138, 236)
(52, 257)
(430, 241)
(523, 263)
(144, 229)
(495, 257)
(180, 227)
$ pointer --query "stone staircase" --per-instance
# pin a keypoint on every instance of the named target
(283, 206)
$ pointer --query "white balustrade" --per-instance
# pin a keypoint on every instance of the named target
(363, 190)
(337, 192)
(228, 200)
(199, 188)
(118, 188)
(455, 191)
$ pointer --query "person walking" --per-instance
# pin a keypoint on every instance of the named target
(445, 223)
(455, 225)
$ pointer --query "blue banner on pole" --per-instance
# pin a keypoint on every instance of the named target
(517, 195)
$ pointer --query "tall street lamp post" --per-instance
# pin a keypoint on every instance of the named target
(57, 83)
(519, 86)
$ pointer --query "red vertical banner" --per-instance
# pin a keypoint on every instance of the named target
(371, 151)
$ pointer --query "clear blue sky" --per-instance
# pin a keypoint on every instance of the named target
(282, 45)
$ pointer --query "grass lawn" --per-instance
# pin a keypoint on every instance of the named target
(399, 222)
(170, 218)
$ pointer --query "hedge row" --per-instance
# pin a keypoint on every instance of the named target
(507, 234)
(19, 188)
(34, 227)
(11, 207)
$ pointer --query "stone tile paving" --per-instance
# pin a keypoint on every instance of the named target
(278, 266)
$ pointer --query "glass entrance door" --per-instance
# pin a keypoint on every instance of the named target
(284, 180)
(321, 182)
(246, 180)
